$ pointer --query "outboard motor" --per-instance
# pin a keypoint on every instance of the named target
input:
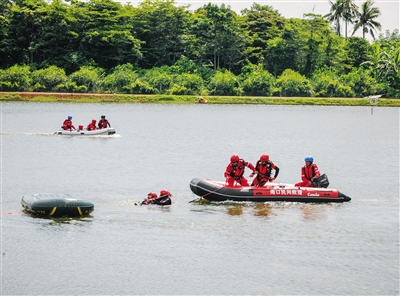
(322, 181)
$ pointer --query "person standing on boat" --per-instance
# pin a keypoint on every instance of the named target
(164, 199)
(235, 170)
(103, 122)
(264, 166)
(67, 125)
(309, 173)
(149, 199)
(92, 126)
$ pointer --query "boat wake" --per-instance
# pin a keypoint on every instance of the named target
(53, 134)
(29, 134)
(105, 136)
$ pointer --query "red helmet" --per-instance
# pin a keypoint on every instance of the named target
(234, 158)
(153, 194)
(80, 126)
(93, 120)
(164, 192)
(264, 157)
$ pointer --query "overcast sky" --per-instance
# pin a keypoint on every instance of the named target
(389, 19)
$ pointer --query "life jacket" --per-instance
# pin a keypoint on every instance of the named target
(67, 124)
(146, 201)
(307, 171)
(238, 171)
(103, 123)
(163, 200)
(91, 127)
(264, 169)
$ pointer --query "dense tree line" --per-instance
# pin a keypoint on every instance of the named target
(159, 47)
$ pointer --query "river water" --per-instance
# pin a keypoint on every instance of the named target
(190, 248)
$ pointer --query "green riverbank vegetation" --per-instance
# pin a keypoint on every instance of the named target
(174, 54)
(189, 99)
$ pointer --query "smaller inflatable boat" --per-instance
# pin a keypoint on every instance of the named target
(218, 191)
(56, 205)
(85, 132)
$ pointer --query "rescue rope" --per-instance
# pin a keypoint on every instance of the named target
(201, 197)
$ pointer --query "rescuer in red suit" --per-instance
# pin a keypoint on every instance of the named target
(309, 173)
(263, 170)
(67, 125)
(103, 122)
(92, 125)
(164, 199)
(149, 199)
(235, 171)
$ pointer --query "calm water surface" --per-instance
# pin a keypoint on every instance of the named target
(199, 249)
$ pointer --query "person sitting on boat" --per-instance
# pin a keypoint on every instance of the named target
(264, 166)
(67, 125)
(309, 173)
(103, 122)
(92, 126)
(80, 127)
(149, 199)
(164, 199)
(235, 170)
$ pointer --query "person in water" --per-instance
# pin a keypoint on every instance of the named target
(92, 126)
(103, 122)
(164, 199)
(67, 125)
(264, 166)
(149, 199)
(309, 173)
(235, 171)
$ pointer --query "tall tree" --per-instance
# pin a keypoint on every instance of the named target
(350, 10)
(5, 13)
(357, 50)
(104, 34)
(335, 15)
(24, 34)
(283, 51)
(57, 39)
(341, 9)
(161, 26)
(218, 36)
(262, 23)
(315, 30)
(366, 18)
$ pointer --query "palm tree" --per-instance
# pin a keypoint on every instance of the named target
(349, 12)
(366, 18)
(335, 15)
(342, 9)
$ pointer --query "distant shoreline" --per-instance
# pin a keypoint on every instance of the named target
(187, 99)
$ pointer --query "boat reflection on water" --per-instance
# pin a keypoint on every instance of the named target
(313, 212)
(262, 210)
(235, 210)
(258, 210)
(307, 211)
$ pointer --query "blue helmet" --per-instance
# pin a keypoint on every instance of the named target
(309, 158)
(69, 116)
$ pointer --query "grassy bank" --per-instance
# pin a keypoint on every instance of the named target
(183, 99)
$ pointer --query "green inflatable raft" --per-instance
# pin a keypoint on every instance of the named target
(56, 205)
